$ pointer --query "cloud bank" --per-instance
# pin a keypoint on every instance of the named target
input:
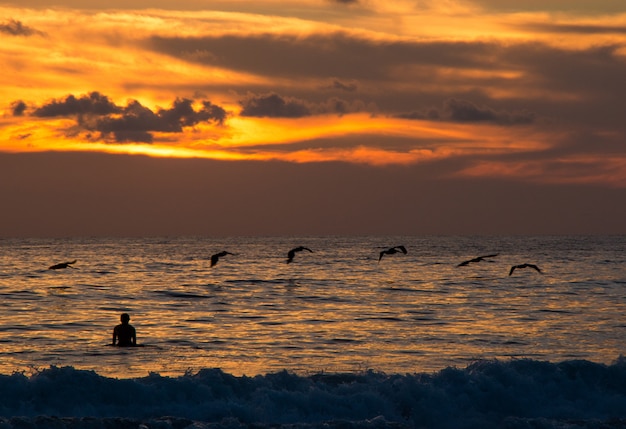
(134, 122)
(495, 92)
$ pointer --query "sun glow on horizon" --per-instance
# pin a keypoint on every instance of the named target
(272, 139)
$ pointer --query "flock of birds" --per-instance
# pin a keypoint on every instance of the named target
(513, 268)
(292, 253)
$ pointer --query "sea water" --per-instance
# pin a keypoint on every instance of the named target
(337, 338)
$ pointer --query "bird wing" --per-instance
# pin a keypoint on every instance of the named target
(512, 269)
(62, 265)
(214, 259)
(402, 248)
(469, 261)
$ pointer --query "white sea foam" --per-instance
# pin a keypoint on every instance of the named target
(486, 394)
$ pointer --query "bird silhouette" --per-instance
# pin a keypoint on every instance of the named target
(217, 256)
(514, 267)
(392, 251)
(63, 265)
(477, 259)
(293, 251)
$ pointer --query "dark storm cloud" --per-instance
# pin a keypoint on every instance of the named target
(339, 55)
(134, 122)
(348, 58)
(16, 28)
(584, 85)
(92, 104)
(18, 108)
(590, 82)
(465, 111)
(137, 121)
(276, 106)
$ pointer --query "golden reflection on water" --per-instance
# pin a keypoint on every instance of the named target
(335, 310)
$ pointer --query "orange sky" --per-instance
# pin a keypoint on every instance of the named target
(524, 92)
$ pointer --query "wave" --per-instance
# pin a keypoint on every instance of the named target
(511, 394)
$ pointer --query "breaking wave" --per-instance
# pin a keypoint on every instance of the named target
(486, 394)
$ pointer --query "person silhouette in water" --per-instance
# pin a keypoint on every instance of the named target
(124, 333)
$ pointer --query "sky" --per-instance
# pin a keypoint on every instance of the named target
(312, 117)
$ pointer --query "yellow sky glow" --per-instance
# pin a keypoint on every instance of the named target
(78, 51)
(246, 138)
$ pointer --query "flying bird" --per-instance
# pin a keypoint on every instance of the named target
(392, 251)
(477, 259)
(217, 256)
(293, 251)
(63, 265)
(533, 266)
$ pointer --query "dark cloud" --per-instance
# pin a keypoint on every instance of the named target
(16, 28)
(276, 106)
(465, 111)
(137, 121)
(348, 87)
(583, 85)
(340, 55)
(455, 110)
(585, 7)
(134, 122)
(125, 135)
(394, 72)
(91, 104)
(212, 112)
(18, 108)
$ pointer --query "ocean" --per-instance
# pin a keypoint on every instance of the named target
(335, 339)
